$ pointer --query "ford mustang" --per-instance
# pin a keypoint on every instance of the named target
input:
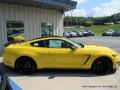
(59, 53)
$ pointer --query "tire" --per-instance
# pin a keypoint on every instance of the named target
(102, 66)
(25, 66)
(71, 36)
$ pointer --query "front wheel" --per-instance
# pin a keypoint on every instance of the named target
(25, 66)
(102, 66)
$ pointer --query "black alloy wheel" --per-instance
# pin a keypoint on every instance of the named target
(102, 67)
(25, 66)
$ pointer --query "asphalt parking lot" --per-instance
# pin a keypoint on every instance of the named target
(113, 42)
(72, 79)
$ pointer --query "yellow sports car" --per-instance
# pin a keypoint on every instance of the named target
(16, 38)
(59, 53)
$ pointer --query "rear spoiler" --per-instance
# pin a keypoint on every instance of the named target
(12, 42)
(9, 43)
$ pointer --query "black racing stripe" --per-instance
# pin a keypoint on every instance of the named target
(87, 60)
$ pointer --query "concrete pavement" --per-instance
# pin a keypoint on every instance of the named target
(65, 80)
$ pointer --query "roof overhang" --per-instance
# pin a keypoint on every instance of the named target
(62, 5)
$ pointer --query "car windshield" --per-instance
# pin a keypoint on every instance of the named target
(72, 41)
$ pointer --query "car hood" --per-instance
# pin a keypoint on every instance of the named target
(100, 48)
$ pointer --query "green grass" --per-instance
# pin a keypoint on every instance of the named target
(98, 29)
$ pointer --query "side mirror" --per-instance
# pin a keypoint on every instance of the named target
(73, 48)
(82, 45)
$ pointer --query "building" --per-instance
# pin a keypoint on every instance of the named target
(33, 18)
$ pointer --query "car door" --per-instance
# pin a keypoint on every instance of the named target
(61, 56)
(57, 53)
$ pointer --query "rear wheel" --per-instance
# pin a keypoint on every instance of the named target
(102, 66)
(25, 66)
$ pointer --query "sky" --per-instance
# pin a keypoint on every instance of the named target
(95, 8)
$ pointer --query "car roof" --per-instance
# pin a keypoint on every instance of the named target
(109, 30)
(45, 37)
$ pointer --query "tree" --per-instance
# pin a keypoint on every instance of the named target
(83, 21)
(89, 23)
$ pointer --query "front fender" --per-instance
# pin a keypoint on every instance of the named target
(91, 60)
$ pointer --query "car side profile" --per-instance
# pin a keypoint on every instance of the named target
(79, 33)
(91, 33)
(108, 32)
(59, 53)
(73, 34)
(85, 33)
(66, 34)
(116, 33)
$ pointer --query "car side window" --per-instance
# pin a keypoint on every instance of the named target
(53, 43)
(59, 44)
(43, 43)
(66, 44)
